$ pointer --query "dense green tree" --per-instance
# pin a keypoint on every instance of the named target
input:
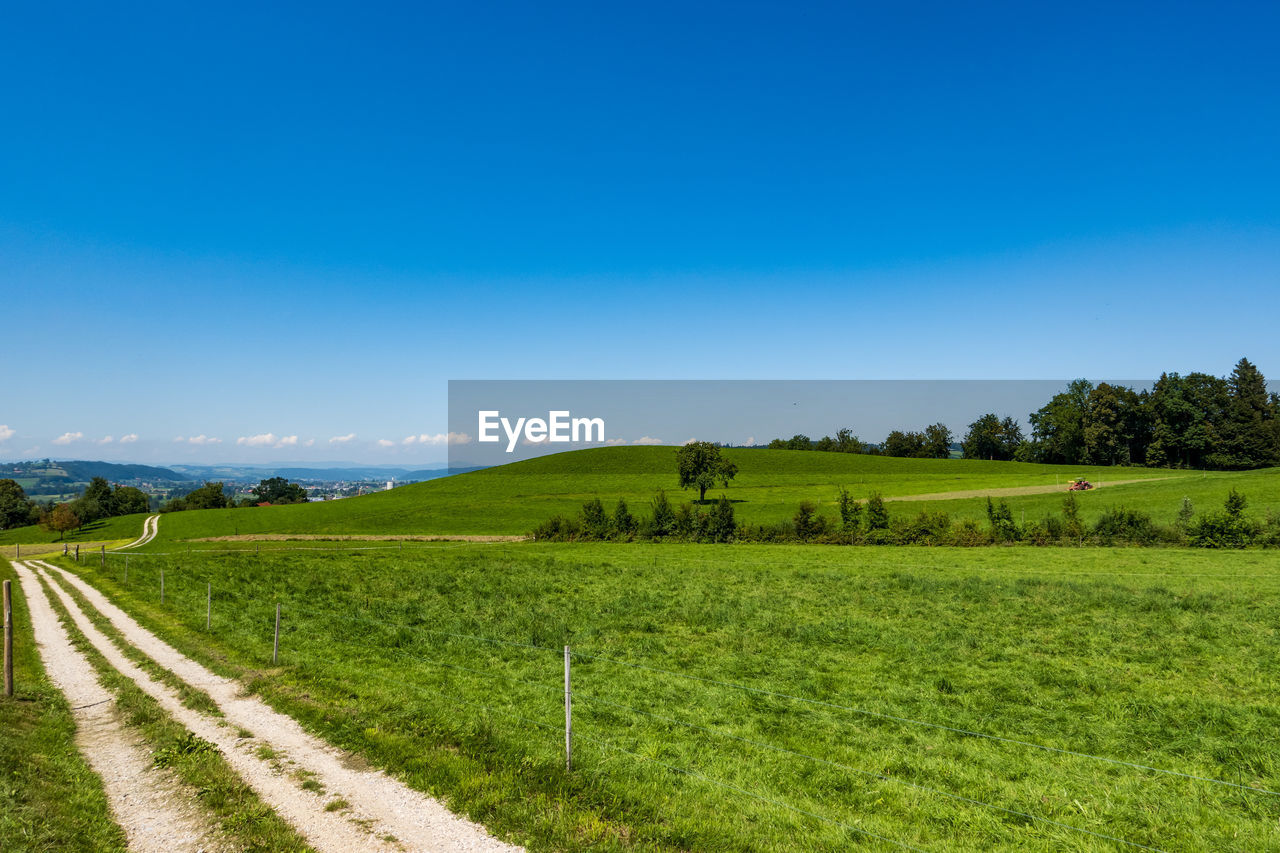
(128, 500)
(1115, 426)
(97, 502)
(847, 442)
(16, 510)
(1057, 428)
(208, 496)
(1249, 431)
(904, 444)
(989, 437)
(937, 441)
(278, 490)
(60, 518)
(1187, 413)
(700, 465)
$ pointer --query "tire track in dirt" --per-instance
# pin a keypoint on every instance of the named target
(381, 805)
(156, 811)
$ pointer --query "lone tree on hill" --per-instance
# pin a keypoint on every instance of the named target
(60, 519)
(700, 464)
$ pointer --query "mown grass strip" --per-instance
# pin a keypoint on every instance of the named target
(248, 822)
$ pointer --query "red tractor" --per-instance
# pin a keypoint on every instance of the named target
(1080, 484)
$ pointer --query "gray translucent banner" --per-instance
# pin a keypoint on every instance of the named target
(494, 421)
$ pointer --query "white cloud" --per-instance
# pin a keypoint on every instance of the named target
(268, 439)
(308, 442)
(5, 432)
(68, 437)
(31, 451)
(203, 439)
(689, 441)
(129, 439)
(751, 440)
(106, 439)
(409, 439)
(614, 441)
(382, 442)
(178, 438)
(443, 438)
(342, 439)
(647, 439)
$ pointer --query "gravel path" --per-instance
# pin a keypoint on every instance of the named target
(157, 813)
(150, 528)
(383, 805)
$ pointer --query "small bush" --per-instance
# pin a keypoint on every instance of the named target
(557, 529)
(1120, 524)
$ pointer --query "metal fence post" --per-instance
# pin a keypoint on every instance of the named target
(568, 715)
(8, 641)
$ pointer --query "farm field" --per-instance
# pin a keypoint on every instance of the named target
(771, 697)
(513, 499)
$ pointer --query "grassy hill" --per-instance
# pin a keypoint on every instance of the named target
(512, 499)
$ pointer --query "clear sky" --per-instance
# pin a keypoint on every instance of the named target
(239, 222)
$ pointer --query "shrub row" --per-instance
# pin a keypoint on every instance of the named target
(869, 523)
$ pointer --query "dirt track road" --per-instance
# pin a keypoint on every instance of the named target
(380, 812)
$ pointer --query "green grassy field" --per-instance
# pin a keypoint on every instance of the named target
(49, 798)
(1165, 658)
(514, 499)
(126, 527)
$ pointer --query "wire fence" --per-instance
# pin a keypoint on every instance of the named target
(184, 591)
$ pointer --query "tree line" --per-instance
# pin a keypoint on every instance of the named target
(1192, 421)
(212, 495)
(869, 523)
(100, 500)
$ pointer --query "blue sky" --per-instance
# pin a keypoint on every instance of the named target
(301, 222)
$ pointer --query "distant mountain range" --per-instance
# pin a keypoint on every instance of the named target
(294, 472)
(83, 471)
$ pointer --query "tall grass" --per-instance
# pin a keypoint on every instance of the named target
(1159, 658)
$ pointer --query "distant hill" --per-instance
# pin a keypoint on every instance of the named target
(79, 470)
(249, 473)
